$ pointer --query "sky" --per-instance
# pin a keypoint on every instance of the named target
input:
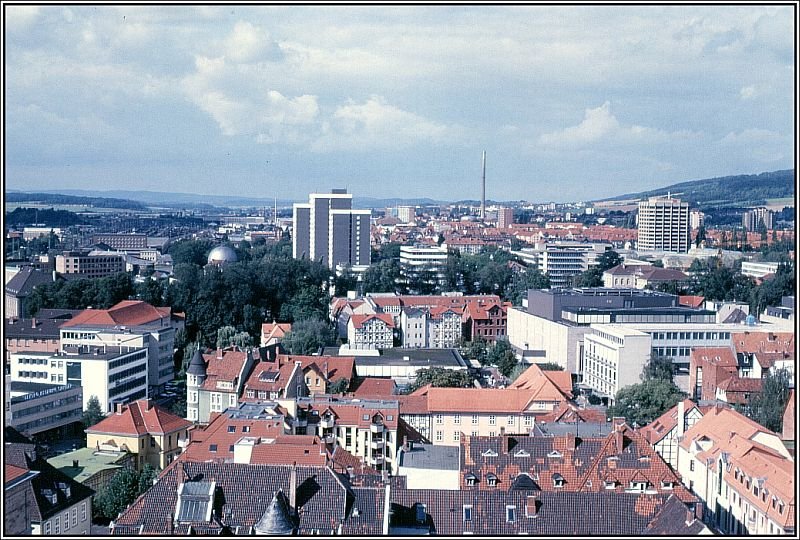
(570, 103)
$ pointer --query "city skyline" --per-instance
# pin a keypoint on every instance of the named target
(570, 102)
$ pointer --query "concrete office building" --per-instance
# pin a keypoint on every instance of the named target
(406, 214)
(505, 217)
(417, 260)
(562, 260)
(36, 408)
(327, 229)
(664, 225)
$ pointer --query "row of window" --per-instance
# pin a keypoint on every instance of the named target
(65, 519)
(128, 359)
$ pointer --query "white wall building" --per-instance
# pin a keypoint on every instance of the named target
(663, 224)
(613, 358)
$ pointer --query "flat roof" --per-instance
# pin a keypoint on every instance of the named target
(405, 357)
(32, 390)
(429, 456)
(90, 462)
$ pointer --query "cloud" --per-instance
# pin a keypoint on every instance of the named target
(19, 18)
(377, 124)
(248, 43)
(748, 92)
(762, 145)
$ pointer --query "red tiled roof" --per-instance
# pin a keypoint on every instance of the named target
(138, 418)
(337, 366)
(763, 342)
(226, 368)
(127, 312)
(218, 432)
(550, 385)
(360, 320)
(275, 330)
(691, 301)
(13, 472)
(658, 428)
(374, 387)
(508, 400)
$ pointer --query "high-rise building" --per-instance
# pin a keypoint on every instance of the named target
(406, 214)
(327, 229)
(751, 220)
(505, 217)
(696, 219)
(664, 225)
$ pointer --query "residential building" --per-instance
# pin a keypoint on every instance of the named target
(562, 260)
(505, 217)
(665, 432)
(142, 428)
(38, 334)
(273, 380)
(90, 263)
(486, 320)
(696, 219)
(248, 499)
(55, 504)
(215, 381)
(130, 323)
(327, 229)
(424, 263)
(43, 409)
(663, 224)
(640, 276)
(757, 219)
(370, 331)
(742, 472)
(92, 467)
(273, 333)
(759, 269)
(19, 288)
(709, 367)
(406, 214)
(429, 466)
(364, 427)
(764, 351)
(112, 374)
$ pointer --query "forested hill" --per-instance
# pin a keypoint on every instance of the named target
(58, 198)
(740, 190)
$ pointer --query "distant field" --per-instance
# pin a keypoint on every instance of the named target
(778, 204)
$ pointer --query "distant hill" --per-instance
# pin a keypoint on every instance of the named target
(741, 190)
(61, 198)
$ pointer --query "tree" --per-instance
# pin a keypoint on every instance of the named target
(179, 405)
(93, 413)
(382, 276)
(642, 403)
(550, 366)
(767, 408)
(700, 237)
(475, 350)
(190, 251)
(228, 335)
(607, 260)
(150, 291)
(521, 282)
(659, 368)
(122, 490)
(307, 336)
(340, 386)
(502, 356)
(441, 377)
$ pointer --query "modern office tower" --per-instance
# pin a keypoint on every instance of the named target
(505, 218)
(696, 219)
(664, 225)
(751, 220)
(423, 262)
(327, 229)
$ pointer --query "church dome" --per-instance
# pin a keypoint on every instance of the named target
(222, 255)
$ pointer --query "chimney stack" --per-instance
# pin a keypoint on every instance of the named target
(120, 408)
(681, 419)
(219, 353)
(531, 509)
(33, 322)
(293, 487)
(483, 186)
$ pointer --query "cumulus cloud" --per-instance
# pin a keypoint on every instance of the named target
(378, 124)
(763, 145)
(19, 18)
(249, 43)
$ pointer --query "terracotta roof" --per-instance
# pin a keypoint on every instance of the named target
(337, 366)
(568, 413)
(691, 301)
(12, 472)
(274, 330)
(717, 356)
(226, 368)
(658, 428)
(268, 377)
(375, 387)
(763, 342)
(545, 385)
(225, 431)
(360, 320)
(488, 400)
(351, 412)
(127, 312)
(140, 417)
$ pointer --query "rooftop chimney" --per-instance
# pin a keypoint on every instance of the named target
(681, 418)
(219, 353)
(293, 487)
(531, 510)
(75, 463)
(33, 322)
(120, 408)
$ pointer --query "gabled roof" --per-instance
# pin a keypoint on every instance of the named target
(490, 400)
(140, 417)
(360, 320)
(544, 385)
(223, 365)
(127, 312)
(275, 330)
(764, 342)
(661, 426)
(691, 301)
(24, 281)
(375, 387)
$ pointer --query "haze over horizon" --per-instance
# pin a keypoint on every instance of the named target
(569, 102)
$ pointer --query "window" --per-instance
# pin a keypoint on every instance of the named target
(152, 442)
(212, 447)
(245, 429)
(57, 528)
(74, 516)
(439, 435)
(470, 479)
(439, 418)
(474, 418)
(467, 512)
(491, 480)
(66, 520)
(492, 420)
(456, 418)
(527, 421)
(691, 464)
(231, 429)
(510, 419)
(230, 448)
(457, 436)
(511, 513)
(251, 393)
(46, 527)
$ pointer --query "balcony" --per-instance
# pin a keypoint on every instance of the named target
(330, 438)
(376, 459)
(327, 422)
(377, 428)
(376, 443)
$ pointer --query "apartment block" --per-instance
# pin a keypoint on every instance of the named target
(663, 224)
(90, 264)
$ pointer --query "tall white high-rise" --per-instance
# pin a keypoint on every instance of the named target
(663, 224)
(327, 229)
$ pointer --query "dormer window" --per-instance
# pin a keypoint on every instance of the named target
(470, 479)
(522, 453)
(491, 480)
(667, 484)
(554, 454)
(638, 485)
(558, 480)
(489, 453)
(610, 484)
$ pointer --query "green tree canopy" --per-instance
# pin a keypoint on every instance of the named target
(307, 336)
(531, 278)
(768, 407)
(441, 377)
(642, 403)
(502, 356)
(340, 386)
(93, 413)
(658, 367)
(122, 490)
(228, 335)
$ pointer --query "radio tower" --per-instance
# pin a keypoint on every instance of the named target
(483, 186)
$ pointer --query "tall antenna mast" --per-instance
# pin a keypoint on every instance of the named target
(275, 215)
(483, 186)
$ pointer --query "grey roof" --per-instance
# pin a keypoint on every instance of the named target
(276, 519)
(25, 280)
(197, 366)
(24, 328)
(581, 429)
(428, 456)
(405, 357)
